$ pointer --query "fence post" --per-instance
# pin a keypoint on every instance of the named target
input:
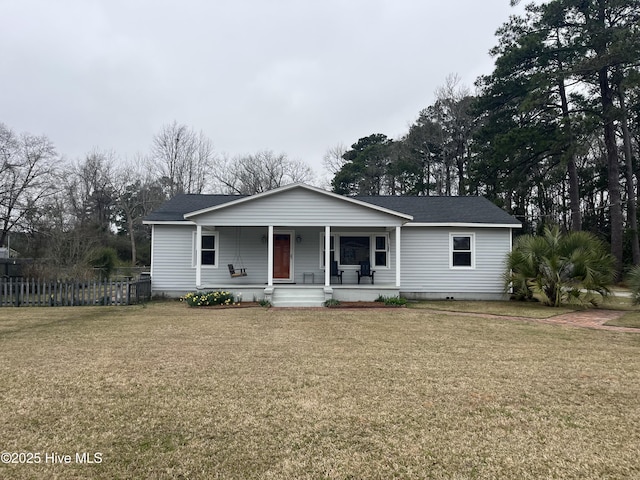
(18, 288)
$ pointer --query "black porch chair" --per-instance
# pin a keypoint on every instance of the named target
(334, 270)
(365, 271)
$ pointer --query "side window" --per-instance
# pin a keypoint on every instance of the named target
(208, 249)
(462, 255)
(208, 254)
(331, 247)
(381, 251)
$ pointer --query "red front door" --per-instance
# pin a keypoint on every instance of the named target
(282, 256)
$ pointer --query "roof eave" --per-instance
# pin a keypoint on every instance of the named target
(167, 222)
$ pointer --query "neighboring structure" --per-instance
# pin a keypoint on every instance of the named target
(419, 247)
(10, 266)
(6, 252)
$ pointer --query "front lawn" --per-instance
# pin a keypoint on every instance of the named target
(630, 320)
(172, 392)
(504, 308)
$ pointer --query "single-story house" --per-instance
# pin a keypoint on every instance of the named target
(276, 246)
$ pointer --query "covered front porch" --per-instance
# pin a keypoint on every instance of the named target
(291, 237)
(286, 264)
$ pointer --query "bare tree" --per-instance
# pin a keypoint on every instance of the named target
(90, 192)
(452, 109)
(333, 160)
(183, 159)
(137, 194)
(56, 236)
(260, 172)
(27, 176)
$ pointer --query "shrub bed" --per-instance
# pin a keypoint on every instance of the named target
(207, 299)
(392, 301)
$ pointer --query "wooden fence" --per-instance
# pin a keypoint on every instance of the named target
(21, 292)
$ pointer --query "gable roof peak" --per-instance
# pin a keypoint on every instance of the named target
(304, 186)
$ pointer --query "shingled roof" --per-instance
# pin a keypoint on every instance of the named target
(174, 210)
(437, 210)
(444, 209)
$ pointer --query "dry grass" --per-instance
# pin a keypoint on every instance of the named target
(506, 308)
(622, 301)
(630, 319)
(171, 392)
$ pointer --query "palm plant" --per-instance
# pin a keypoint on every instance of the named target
(559, 268)
(633, 281)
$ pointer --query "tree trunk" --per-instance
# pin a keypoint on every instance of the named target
(608, 120)
(632, 210)
(574, 195)
(461, 180)
(613, 169)
(132, 236)
(574, 185)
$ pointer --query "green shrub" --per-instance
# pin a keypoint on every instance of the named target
(633, 281)
(206, 299)
(332, 302)
(559, 268)
(105, 261)
(392, 301)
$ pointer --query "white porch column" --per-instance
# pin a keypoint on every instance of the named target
(198, 256)
(270, 257)
(398, 229)
(327, 256)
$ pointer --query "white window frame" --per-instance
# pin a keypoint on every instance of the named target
(372, 249)
(194, 248)
(375, 250)
(333, 236)
(472, 250)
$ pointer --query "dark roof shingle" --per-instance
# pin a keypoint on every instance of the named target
(174, 209)
(423, 209)
(444, 209)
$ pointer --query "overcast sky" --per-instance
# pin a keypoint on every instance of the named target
(292, 76)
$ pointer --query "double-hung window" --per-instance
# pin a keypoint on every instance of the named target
(208, 248)
(332, 247)
(381, 250)
(462, 253)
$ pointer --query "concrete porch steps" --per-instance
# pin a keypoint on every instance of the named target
(297, 297)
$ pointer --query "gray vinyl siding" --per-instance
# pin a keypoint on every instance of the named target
(426, 264)
(298, 207)
(172, 257)
(384, 275)
(243, 248)
(172, 261)
(306, 256)
(425, 259)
